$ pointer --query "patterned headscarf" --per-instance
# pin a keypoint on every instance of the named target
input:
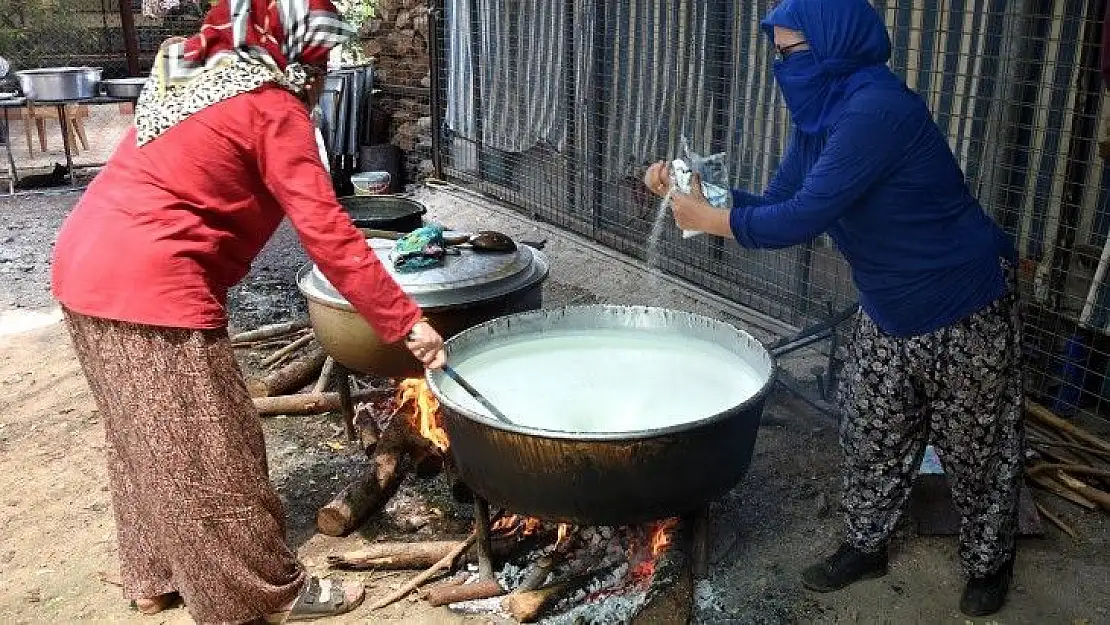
(242, 45)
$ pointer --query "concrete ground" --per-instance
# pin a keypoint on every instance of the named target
(57, 534)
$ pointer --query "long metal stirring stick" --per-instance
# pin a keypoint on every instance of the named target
(454, 375)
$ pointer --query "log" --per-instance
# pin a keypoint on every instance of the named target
(537, 574)
(1070, 468)
(289, 378)
(458, 579)
(1057, 521)
(671, 591)
(447, 562)
(270, 331)
(1060, 491)
(306, 403)
(1068, 445)
(1045, 416)
(288, 349)
(486, 589)
(526, 607)
(1085, 490)
(413, 555)
(394, 556)
(373, 489)
(325, 376)
(310, 403)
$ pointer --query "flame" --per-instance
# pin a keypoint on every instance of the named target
(563, 534)
(661, 536)
(516, 524)
(424, 410)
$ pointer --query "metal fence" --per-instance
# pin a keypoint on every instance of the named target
(51, 33)
(557, 108)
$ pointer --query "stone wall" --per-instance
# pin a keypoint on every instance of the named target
(397, 38)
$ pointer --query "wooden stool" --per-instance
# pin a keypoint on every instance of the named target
(39, 115)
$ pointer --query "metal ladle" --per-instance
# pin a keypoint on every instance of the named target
(454, 375)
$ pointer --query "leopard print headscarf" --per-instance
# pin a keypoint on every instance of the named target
(242, 45)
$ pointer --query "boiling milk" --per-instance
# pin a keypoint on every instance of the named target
(605, 380)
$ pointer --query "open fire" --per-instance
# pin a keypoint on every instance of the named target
(565, 572)
(417, 400)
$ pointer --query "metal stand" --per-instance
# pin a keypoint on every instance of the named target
(827, 376)
(346, 404)
(485, 550)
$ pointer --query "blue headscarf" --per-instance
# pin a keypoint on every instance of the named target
(848, 48)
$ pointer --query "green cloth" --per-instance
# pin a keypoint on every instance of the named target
(422, 248)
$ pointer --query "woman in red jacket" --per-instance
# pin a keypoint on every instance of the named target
(222, 150)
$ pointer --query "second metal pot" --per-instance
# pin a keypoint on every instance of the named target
(60, 84)
(468, 289)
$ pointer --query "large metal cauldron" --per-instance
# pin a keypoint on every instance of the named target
(604, 478)
(469, 288)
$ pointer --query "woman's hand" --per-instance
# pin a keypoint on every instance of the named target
(658, 178)
(693, 212)
(427, 345)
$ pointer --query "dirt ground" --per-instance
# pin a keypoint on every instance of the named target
(57, 538)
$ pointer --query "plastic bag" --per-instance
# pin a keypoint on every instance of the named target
(714, 178)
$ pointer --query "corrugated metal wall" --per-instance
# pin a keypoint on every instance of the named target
(574, 99)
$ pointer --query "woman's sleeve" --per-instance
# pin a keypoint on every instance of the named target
(860, 150)
(293, 172)
(785, 182)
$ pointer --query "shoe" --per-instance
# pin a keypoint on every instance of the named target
(843, 568)
(984, 596)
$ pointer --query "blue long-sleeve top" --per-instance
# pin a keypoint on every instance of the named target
(883, 183)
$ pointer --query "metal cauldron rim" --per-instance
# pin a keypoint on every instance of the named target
(622, 436)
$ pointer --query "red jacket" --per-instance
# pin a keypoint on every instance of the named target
(165, 230)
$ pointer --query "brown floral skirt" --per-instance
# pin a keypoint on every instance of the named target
(195, 510)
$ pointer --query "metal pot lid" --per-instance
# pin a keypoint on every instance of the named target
(465, 278)
(381, 206)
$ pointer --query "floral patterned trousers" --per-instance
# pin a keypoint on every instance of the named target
(959, 387)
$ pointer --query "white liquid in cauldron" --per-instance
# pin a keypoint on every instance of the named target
(605, 380)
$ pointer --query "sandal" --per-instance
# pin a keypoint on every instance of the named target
(321, 598)
(153, 605)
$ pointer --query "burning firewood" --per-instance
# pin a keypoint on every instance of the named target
(370, 492)
(411, 436)
(671, 592)
(528, 606)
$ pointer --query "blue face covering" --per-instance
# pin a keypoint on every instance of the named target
(804, 88)
(848, 47)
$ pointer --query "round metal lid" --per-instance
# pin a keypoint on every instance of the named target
(466, 277)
